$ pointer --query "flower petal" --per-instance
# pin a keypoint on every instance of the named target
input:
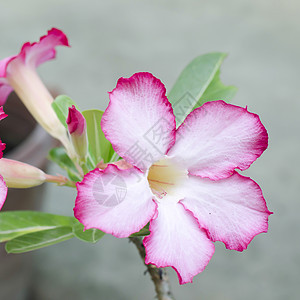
(5, 90)
(3, 65)
(36, 53)
(115, 201)
(2, 147)
(177, 241)
(31, 54)
(217, 138)
(3, 192)
(139, 121)
(3, 115)
(233, 210)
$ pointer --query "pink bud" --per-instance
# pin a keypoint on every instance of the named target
(76, 122)
(77, 129)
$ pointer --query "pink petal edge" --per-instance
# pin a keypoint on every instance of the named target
(138, 106)
(217, 138)
(177, 241)
(94, 209)
(54, 37)
(227, 220)
(3, 192)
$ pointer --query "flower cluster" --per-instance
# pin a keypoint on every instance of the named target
(182, 181)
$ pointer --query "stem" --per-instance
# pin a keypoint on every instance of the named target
(84, 168)
(159, 276)
(60, 180)
(78, 168)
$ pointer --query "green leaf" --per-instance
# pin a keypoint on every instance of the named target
(61, 106)
(198, 83)
(37, 240)
(99, 147)
(90, 235)
(217, 91)
(60, 157)
(29, 230)
(17, 223)
(143, 232)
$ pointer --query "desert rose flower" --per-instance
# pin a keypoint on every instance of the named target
(18, 73)
(77, 130)
(184, 181)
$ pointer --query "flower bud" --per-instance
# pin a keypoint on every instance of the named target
(20, 175)
(77, 129)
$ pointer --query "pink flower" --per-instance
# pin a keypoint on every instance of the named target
(183, 180)
(3, 187)
(18, 72)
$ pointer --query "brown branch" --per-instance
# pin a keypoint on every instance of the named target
(159, 276)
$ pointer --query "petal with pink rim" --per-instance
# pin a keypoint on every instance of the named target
(232, 210)
(3, 65)
(217, 138)
(3, 192)
(115, 201)
(36, 53)
(177, 241)
(139, 120)
(32, 55)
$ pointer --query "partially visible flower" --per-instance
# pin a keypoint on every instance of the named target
(77, 130)
(182, 180)
(18, 73)
(3, 187)
(3, 191)
(2, 145)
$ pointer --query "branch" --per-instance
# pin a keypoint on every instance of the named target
(159, 276)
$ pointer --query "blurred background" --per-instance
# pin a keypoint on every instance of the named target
(117, 38)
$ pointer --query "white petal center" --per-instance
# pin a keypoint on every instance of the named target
(165, 178)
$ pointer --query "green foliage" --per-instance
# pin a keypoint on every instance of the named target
(99, 147)
(198, 83)
(60, 157)
(91, 235)
(40, 239)
(143, 232)
(17, 223)
(61, 106)
(29, 230)
(217, 91)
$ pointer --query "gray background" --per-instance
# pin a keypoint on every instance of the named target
(117, 38)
